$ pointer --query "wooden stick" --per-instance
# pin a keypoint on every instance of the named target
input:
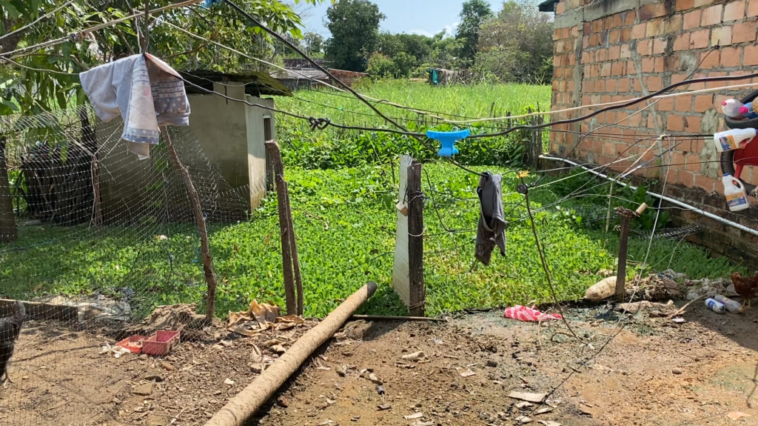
(205, 249)
(281, 195)
(683, 308)
(416, 241)
(293, 250)
(8, 230)
(391, 318)
(237, 411)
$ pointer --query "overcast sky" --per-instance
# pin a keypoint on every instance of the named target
(426, 17)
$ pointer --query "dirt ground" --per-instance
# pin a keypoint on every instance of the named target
(654, 372)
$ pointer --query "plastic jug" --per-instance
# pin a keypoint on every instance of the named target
(734, 191)
(731, 108)
(733, 139)
(748, 112)
(731, 305)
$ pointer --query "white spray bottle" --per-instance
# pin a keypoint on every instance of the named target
(731, 108)
(734, 191)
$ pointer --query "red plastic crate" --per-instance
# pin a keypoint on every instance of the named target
(160, 343)
(132, 343)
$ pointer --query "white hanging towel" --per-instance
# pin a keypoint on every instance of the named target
(145, 91)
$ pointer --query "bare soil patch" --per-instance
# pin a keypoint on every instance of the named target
(653, 372)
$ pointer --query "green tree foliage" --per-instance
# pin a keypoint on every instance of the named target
(314, 43)
(354, 25)
(517, 45)
(31, 92)
(473, 15)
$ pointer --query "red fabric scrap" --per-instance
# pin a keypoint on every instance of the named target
(522, 313)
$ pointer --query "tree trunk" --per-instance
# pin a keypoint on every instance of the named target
(8, 231)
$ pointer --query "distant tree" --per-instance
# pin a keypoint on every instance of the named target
(517, 44)
(473, 15)
(354, 25)
(381, 66)
(314, 42)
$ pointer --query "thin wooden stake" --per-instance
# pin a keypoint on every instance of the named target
(416, 241)
(281, 195)
(626, 217)
(205, 249)
(293, 250)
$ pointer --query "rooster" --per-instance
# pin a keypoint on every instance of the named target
(10, 328)
(745, 287)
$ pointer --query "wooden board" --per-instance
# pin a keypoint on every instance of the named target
(400, 271)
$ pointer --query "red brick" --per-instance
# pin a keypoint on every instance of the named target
(613, 36)
(610, 85)
(699, 39)
(659, 46)
(654, 83)
(626, 53)
(703, 103)
(681, 42)
(601, 55)
(617, 69)
(685, 178)
(638, 31)
(693, 161)
(623, 85)
(626, 35)
(675, 123)
(614, 52)
(654, 28)
(709, 59)
(692, 19)
(704, 182)
(597, 26)
(752, 8)
(665, 104)
(711, 16)
(606, 70)
(751, 56)
(684, 103)
(701, 3)
(730, 57)
(716, 84)
(672, 24)
(734, 11)
(644, 47)
(629, 17)
(650, 11)
(721, 36)
(744, 31)
(648, 65)
(684, 4)
(660, 64)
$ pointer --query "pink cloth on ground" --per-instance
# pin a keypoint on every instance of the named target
(522, 313)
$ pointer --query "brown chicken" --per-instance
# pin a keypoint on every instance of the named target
(745, 287)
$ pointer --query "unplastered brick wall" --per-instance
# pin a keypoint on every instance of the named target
(615, 50)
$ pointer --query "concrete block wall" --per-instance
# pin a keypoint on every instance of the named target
(613, 50)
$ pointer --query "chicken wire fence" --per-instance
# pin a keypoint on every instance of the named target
(103, 238)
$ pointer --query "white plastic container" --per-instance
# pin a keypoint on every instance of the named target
(731, 305)
(731, 108)
(715, 306)
(733, 139)
(734, 191)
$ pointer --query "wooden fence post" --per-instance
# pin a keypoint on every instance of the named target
(205, 249)
(289, 248)
(626, 217)
(416, 241)
(8, 230)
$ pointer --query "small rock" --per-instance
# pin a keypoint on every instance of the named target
(524, 420)
(342, 371)
(279, 349)
(283, 402)
(677, 371)
(416, 356)
(144, 390)
(143, 357)
(384, 407)
(167, 366)
(491, 363)
(501, 416)
(522, 405)
(374, 379)
(355, 418)
(229, 382)
(154, 377)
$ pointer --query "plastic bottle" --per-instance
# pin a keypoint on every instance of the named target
(715, 306)
(734, 191)
(748, 112)
(733, 139)
(731, 108)
(731, 305)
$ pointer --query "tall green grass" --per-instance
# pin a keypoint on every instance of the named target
(350, 148)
